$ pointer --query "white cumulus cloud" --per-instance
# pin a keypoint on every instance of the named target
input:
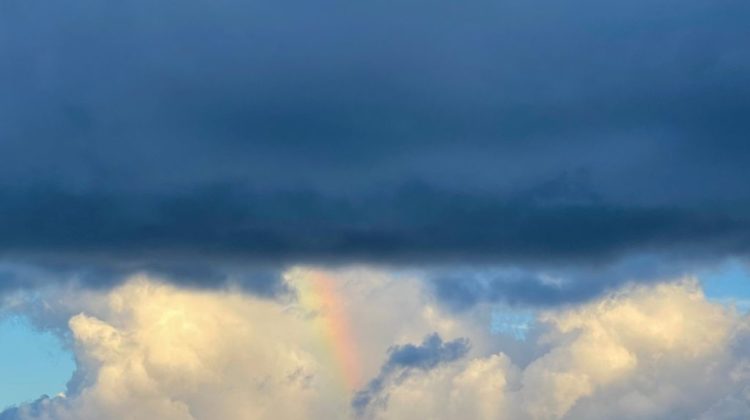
(148, 350)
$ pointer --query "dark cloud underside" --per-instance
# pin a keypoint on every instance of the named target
(410, 224)
(377, 131)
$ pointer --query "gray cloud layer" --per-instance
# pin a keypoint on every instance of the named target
(382, 131)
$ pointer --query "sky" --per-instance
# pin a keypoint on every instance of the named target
(24, 346)
(492, 209)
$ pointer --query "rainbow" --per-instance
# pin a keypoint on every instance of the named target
(318, 294)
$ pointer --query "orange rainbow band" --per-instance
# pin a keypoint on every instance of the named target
(318, 293)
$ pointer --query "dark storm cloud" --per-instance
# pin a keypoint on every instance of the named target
(415, 223)
(432, 352)
(525, 131)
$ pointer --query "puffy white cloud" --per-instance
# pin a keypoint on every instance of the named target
(647, 352)
(165, 353)
(148, 350)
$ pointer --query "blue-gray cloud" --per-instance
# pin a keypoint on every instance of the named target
(34, 409)
(461, 291)
(405, 358)
(461, 288)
